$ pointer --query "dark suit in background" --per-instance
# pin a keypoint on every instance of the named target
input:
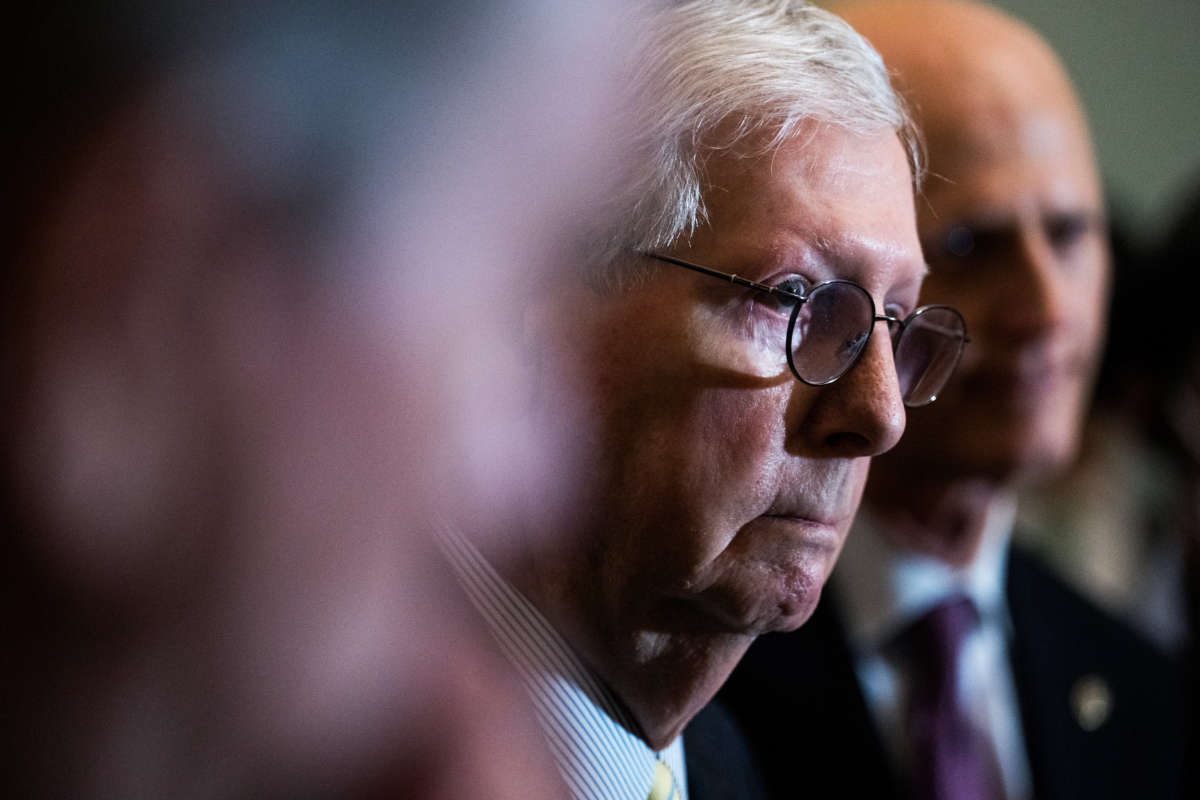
(720, 766)
(798, 700)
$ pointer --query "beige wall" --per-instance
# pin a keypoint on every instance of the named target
(1137, 66)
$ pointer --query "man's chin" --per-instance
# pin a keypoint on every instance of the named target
(784, 609)
(794, 614)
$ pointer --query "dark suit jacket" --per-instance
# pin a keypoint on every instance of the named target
(798, 701)
(719, 764)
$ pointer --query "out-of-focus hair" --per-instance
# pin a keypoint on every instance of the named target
(717, 75)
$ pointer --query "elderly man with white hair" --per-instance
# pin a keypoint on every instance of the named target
(742, 336)
(945, 661)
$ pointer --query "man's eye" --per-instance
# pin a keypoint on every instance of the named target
(959, 241)
(785, 302)
(785, 296)
(1064, 230)
(794, 286)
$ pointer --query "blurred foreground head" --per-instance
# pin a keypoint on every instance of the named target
(1012, 224)
(263, 262)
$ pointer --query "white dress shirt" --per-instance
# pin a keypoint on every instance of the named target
(883, 589)
(588, 730)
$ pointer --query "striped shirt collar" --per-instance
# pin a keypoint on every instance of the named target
(587, 728)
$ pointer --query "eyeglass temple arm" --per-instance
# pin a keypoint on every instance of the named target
(762, 287)
(725, 276)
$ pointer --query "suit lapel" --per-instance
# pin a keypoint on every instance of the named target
(1046, 671)
(719, 763)
(797, 697)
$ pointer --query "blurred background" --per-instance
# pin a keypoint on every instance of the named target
(1124, 524)
(1137, 68)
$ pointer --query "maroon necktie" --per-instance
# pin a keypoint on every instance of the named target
(951, 760)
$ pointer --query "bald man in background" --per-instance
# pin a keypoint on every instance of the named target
(1036, 693)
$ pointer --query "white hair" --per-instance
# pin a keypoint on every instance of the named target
(708, 75)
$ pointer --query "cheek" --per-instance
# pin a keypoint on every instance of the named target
(769, 577)
(1091, 325)
(1087, 271)
(690, 443)
(727, 473)
(747, 343)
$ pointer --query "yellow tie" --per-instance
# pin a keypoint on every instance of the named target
(663, 787)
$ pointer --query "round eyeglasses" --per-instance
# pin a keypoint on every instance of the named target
(830, 326)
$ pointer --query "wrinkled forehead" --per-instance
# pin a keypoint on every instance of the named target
(831, 201)
(995, 156)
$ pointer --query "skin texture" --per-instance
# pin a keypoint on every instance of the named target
(1012, 222)
(725, 486)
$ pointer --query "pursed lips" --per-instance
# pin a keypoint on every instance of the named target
(831, 523)
(829, 503)
(803, 518)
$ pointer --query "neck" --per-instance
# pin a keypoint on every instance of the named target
(662, 676)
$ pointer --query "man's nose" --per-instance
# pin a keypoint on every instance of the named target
(1038, 299)
(862, 413)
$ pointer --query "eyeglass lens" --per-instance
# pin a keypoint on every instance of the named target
(927, 353)
(827, 333)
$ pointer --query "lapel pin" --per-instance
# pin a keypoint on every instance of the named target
(1091, 702)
